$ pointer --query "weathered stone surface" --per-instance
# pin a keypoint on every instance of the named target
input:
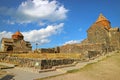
(82, 48)
(98, 34)
(36, 63)
(114, 35)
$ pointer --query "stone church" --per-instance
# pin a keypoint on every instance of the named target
(102, 32)
(101, 37)
(15, 44)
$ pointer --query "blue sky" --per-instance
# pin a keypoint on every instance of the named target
(53, 23)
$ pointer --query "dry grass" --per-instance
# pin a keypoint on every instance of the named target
(48, 56)
(2, 73)
(107, 69)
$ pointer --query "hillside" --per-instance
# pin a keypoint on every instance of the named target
(107, 69)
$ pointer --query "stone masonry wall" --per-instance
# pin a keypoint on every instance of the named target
(115, 38)
(81, 48)
(98, 34)
(35, 63)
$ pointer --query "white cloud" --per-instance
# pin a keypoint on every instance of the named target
(41, 36)
(36, 11)
(43, 9)
(5, 34)
(72, 42)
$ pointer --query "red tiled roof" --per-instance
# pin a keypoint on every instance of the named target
(18, 33)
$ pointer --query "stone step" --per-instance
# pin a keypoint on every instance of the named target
(8, 65)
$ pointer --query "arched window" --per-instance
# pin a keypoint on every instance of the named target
(10, 48)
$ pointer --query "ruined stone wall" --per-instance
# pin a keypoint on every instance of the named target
(81, 48)
(70, 49)
(49, 50)
(46, 50)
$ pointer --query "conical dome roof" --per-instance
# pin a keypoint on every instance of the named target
(103, 21)
(17, 35)
(101, 18)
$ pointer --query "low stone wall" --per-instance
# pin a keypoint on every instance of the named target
(37, 63)
(45, 64)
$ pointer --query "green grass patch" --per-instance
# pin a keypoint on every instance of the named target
(73, 71)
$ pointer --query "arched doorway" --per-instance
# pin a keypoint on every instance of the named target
(10, 48)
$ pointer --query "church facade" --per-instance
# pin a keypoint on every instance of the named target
(15, 44)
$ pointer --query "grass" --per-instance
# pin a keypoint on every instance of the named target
(115, 57)
(84, 68)
(48, 56)
(105, 69)
(73, 71)
(50, 77)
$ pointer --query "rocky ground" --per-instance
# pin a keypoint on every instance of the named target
(106, 69)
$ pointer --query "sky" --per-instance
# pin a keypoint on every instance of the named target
(51, 23)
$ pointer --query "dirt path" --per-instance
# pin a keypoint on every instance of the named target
(107, 69)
